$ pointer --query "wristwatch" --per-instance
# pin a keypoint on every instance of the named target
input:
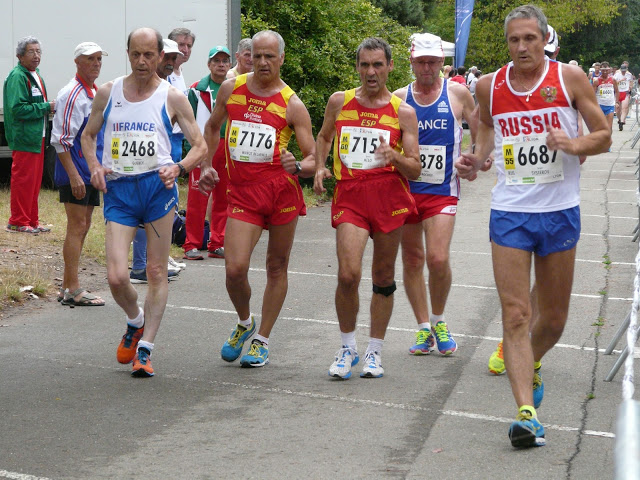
(182, 169)
(298, 168)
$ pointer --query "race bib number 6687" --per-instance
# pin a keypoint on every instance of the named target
(528, 160)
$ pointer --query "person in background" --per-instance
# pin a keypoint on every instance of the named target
(26, 112)
(185, 39)
(244, 63)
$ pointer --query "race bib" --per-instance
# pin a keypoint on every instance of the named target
(433, 160)
(358, 146)
(605, 90)
(623, 85)
(35, 92)
(528, 160)
(134, 151)
(251, 142)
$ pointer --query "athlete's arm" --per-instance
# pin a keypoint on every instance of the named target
(208, 176)
(407, 162)
(90, 137)
(325, 139)
(180, 109)
(468, 164)
(599, 138)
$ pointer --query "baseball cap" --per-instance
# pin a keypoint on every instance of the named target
(171, 46)
(88, 48)
(552, 44)
(217, 49)
(624, 67)
(426, 45)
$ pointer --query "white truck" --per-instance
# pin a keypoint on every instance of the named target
(60, 25)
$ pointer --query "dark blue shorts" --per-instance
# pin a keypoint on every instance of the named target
(138, 199)
(540, 233)
(607, 109)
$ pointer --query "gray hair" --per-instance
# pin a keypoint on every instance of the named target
(374, 43)
(23, 42)
(526, 12)
(270, 33)
(244, 44)
(181, 31)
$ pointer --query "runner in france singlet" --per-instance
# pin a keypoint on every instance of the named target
(256, 131)
(532, 178)
(358, 131)
(137, 135)
(439, 137)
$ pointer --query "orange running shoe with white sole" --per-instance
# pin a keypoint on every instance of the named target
(129, 343)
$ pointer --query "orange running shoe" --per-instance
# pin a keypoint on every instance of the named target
(128, 344)
(496, 361)
(142, 364)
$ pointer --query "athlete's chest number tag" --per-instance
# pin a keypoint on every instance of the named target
(251, 142)
(134, 151)
(623, 86)
(528, 160)
(358, 146)
(432, 158)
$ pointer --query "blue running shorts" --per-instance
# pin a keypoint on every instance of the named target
(607, 109)
(133, 200)
(540, 233)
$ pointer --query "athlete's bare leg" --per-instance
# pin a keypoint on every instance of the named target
(118, 240)
(385, 251)
(438, 233)
(350, 243)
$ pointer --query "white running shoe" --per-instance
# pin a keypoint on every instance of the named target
(173, 264)
(345, 359)
(372, 366)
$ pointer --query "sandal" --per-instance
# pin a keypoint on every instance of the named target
(60, 294)
(86, 300)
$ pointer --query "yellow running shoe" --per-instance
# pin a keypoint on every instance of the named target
(496, 361)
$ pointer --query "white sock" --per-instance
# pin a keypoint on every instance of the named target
(138, 321)
(145, 344)
(349, 339)
(375, 345)
(264, 340)
(424, 326)
(245, 323)
(436, 318)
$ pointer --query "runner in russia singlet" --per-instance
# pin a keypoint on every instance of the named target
(358, 129)
(532, 178)
(256, 131)
(439, 137)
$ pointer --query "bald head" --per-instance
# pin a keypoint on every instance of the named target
(145, 34)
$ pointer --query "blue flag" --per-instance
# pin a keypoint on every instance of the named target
(464, 12)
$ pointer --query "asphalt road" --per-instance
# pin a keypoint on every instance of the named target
(69, 410)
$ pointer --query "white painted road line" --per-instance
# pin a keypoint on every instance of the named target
(19, 476)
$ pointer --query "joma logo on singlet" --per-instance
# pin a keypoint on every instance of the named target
(369, 119)
(513, 126)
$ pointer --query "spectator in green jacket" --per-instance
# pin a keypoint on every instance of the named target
(26, 109)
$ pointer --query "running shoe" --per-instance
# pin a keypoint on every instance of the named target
(193, 254)
(526, 431)
(496, 361)
(22, 229)
(216, 253)
(127, 348)
(175, 264)
(142, 364)
(345, 359)
(425, 343)
(140, 277)
(257, 356)
(538, 388)
(232, 348)
(372, 366)
(446, 344)
(42, 229)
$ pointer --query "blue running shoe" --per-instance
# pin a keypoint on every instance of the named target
(526, 431)
(232, 348)
(257, 356)
(372, 366)
(446, 344)
(538, 388)
(345, 359)
(425, 343)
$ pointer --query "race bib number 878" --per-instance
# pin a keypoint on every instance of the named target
(528, 160)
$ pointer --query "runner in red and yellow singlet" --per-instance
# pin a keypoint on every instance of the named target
(375, 151)
(261, 113)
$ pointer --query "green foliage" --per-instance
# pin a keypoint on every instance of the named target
(487, 47)
(405, 12)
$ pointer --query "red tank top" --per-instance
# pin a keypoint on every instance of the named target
(256, 131)
(358, 129)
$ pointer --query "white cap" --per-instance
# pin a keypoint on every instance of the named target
(552, 44)
(88, 48)
(170, 46)
(426, 45)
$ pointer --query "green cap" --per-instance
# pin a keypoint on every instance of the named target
(217, 49)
